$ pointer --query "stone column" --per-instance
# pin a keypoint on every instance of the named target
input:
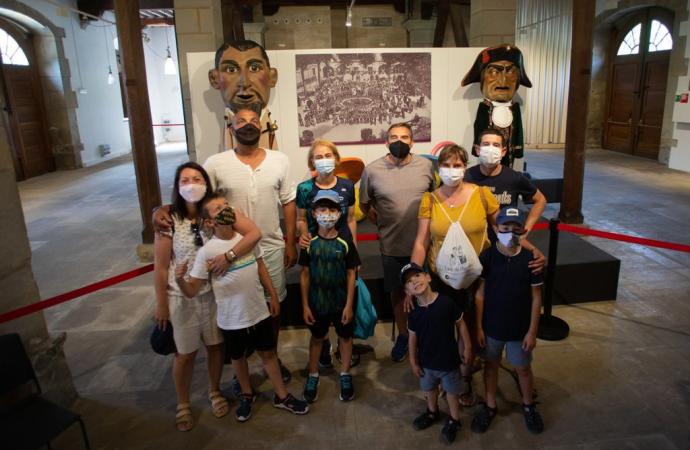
(198, 28)
(420, 32)
(19, 288)
(492, 22)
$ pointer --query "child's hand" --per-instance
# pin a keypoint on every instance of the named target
(347, 316)
(529, 342)
(181, 270)
(408, 304)
(307, 316)
(416, 370)
(274, 307)
(481, 338)
(162, 315)
(304, 240)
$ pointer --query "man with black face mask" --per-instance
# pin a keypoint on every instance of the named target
(390, 190)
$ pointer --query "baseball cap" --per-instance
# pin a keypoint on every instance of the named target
(511, 215)
(409, 269)
(326, 195)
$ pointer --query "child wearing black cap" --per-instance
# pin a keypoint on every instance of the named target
(508, 305)
(327, 284)
(434, 351)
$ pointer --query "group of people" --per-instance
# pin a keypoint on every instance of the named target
(221, 257)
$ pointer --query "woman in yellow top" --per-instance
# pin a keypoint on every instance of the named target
(476, 208)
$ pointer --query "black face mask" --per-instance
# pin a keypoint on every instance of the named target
(248, 135)
(399, 149)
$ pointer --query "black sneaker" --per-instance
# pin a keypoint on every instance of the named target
(347, 389)
(311, 387)
(354, 359)
(325, 360)
(399, 351)
(290, 403)
(482, 418)
(533, 419)
(237, 390)
(284, 372)
(450, 430)
(425, 420)
(244, 410)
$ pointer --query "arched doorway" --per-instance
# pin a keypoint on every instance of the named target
(25, 112)
(637, 83)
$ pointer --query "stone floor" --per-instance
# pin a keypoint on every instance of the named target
(620, 380)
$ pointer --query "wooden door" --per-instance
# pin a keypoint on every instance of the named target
(25, 109)
(637, 86)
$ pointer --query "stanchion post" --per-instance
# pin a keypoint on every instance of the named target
(551, 328)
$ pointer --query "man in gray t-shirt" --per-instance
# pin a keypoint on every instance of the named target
(390, 191)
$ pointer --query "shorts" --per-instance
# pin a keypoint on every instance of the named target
(321, 323)
(259, 336)
(194, 321)
(450, 380)
(514, 353)
(392, 265)
(275, 263)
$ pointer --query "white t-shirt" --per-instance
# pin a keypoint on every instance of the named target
(239, 294)
(259, 193)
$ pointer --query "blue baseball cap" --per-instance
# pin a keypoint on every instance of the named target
(326, 195)
(511, 215)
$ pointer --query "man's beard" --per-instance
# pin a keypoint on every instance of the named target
(257, 107)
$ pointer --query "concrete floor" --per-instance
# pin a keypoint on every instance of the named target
(621, 380)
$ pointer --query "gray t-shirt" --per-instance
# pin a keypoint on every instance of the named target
(395, 192)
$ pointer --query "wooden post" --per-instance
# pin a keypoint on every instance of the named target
(578, 97)
(232, 20)
(140, 126)
(443, 9)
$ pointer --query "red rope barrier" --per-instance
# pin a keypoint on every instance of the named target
(624, 238)
(34, 307)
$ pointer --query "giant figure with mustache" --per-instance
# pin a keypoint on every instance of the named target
(499, 71)
(244, 77)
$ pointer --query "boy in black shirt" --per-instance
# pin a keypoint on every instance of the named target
(434, 351)
(508, 305)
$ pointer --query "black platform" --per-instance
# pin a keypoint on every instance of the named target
(584, 273)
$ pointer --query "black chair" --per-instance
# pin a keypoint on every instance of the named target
(27, 421)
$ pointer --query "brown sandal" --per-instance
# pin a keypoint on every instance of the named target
(219, 404)
(183, 418)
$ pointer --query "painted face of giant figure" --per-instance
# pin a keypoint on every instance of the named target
(243, 75)
(500, 80)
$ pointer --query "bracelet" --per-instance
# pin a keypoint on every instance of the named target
(230, 258)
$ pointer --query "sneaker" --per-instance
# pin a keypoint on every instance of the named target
(237, 390)
(347, 389)
(354, 359)
(325, 360)
(482, 418)
(399, 351)
(244, 410)
(290, 403)
(450, 430)
(425, 420)
(311, 387)
(284, 372)
(533, 419)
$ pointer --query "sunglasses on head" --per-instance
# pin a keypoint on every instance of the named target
(198, 241)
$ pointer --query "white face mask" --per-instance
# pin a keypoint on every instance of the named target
(193, 192)
(489, 155)
(451, 176)
(324, 166)
(508, 238)
(327, 220)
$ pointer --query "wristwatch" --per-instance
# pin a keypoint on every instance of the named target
(230, 256)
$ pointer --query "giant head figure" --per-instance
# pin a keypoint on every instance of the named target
(499, 72)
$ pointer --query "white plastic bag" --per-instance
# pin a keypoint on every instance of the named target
(457, 264)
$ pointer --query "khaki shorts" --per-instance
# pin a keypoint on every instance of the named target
(194, 321)
(274, 260)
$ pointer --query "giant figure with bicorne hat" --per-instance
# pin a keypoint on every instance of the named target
(499, 71)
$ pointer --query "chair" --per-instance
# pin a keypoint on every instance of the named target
(27, 421)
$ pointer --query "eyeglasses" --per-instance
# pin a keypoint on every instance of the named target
(198, 241)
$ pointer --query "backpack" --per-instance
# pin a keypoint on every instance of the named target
(365, 314)
(457, 264)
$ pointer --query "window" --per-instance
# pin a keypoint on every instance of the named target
(659, 37)
(631, 42)
(11, 52)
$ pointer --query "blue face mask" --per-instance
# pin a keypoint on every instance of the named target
(508, 238)
(324, 166)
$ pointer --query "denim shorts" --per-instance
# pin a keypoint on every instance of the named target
(450, 380)
(515, 355)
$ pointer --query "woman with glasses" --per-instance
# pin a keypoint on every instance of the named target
(193, 320)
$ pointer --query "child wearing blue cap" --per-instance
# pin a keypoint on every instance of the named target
(508, 305)
(327, 284)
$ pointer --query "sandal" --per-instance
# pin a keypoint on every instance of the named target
(482, 418)
(219, 404)
(468, 398)
(183, 417)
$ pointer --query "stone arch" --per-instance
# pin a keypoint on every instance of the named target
(61, 116)
(605, 25)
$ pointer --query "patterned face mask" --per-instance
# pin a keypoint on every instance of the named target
(327, 220)
(226, 216)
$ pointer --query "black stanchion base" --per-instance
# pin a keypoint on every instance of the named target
(552, 328)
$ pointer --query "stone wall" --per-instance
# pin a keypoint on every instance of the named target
(492, 22)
